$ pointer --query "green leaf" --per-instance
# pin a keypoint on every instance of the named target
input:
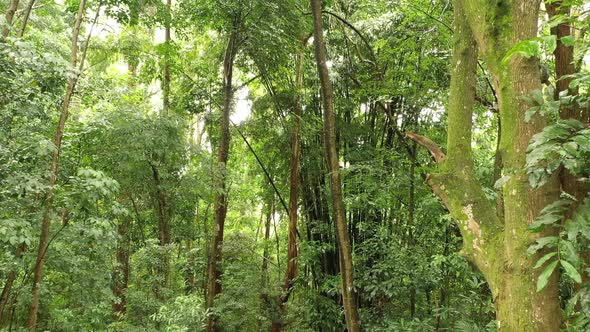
(544, 259)
(526, 48)
(571, 271)
(568, 41)
(545, 275)
(544, 242)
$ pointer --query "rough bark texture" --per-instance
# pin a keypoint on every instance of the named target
(53, 173)
(292, 253)
(345, 251)
(498, 246)
(564, 66)
(214, 265)
(9, 16)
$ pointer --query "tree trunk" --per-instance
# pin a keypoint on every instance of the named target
(498, 247)
(166, 67)
(9, 17)
(564, 66)
(277, 325)
(26, 17)
(6, 291)
(121, 273)
(214, 265)
(345, 250)
(163, 215)
(53, 173)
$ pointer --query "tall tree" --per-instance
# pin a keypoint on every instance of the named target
(215, 258)
(53, 172)
(345, 255)
(497, 245)
(294, 179)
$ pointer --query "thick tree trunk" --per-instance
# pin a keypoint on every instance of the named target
(9, 17)
(26, 17)
(345, 251)
(214, 266)
(53, 173)
(277, 325)
(498, 247)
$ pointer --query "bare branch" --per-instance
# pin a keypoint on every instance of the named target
(432, 147)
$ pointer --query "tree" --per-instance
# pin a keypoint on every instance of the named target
(9, 16)
(214, 266)
(345, 250)
(53, 171)
(497, 241)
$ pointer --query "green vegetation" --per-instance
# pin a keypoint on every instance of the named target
(295, 165)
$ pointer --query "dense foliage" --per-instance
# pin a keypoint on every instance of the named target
(133, 209)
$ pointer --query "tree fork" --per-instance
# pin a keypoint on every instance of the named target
(500, 245)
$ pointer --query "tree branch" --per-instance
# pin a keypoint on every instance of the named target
(432, 147)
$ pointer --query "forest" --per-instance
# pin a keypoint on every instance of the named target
(295, 165)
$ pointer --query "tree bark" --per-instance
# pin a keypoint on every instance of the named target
(345, 251)
(26, 17)
(6, 291)
(291, 274)
(498, 247)
(565, 66)
(53, 173)
(9, 17)
(215, 255)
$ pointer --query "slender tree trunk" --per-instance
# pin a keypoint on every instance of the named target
(215, 255)
(9, 17)
(26, 17)
(191, 284)
(161, 208)
(277, 325)
(53, 173)
(163, 215)
(264, 280)
(121, 273)
(166, 68)
(565, 66)
(497, 246)
(6, 291)
(345, 251)
(266, 250)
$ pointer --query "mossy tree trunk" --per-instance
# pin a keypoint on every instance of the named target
(497, 245)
